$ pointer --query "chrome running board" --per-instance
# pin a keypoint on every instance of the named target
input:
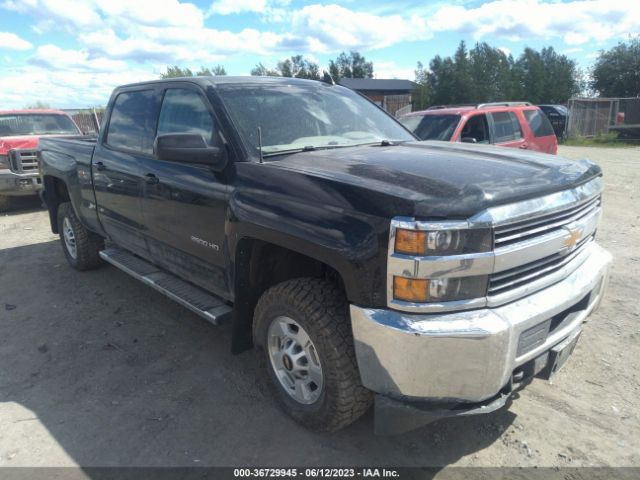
(208, 306)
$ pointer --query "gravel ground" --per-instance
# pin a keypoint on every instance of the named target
(98, 370)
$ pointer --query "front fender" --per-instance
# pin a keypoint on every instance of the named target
(351, 243)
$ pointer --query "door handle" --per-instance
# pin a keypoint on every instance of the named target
(524, 146)
(100, 166)
(151, 179)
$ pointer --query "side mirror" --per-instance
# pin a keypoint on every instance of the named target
(189, 148)
(468, 140)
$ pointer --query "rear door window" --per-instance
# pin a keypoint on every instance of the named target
(133, 121)
(539, 123)
(506, 127)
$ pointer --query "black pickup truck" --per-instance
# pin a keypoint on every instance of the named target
(360, 264)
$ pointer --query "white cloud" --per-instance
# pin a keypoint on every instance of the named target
(176, 44)
(390, 69)
(54, 58)
(576, 22)
(505, 50)
(22, 86)
(270, 10)
(11, 41)
(160, 13)
(86, 15)
(325, 28)
(228, 7)
(56, 13)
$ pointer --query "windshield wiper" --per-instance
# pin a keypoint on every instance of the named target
(307, 148)
(380, 143)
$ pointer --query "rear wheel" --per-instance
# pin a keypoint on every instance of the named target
(80, 246)
(306, 353)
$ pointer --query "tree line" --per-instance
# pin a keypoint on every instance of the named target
(485, 74)
(346, 65)
(479, 74)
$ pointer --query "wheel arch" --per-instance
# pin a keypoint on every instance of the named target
(259, 265)
(55, 193)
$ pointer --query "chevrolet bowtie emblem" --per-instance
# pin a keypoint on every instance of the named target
(574, 237)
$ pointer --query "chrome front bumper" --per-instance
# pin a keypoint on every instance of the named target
(468, 356)
(19, 184)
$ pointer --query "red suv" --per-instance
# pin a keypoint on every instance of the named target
(507, 124)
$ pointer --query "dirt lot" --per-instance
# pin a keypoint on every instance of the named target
(98, 370)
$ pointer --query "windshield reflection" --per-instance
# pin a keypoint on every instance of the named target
(299, 117)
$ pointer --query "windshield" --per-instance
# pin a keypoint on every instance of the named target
(298, 117)
(36, 124)
(432, 127)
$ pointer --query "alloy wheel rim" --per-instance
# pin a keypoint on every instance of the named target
(69, 238)
(295, 360)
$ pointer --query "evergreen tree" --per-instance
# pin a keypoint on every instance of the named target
(616, 72)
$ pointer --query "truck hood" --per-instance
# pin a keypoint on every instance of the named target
(17, 142)
(440, 179)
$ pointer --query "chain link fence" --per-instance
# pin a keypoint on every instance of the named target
(592, 117)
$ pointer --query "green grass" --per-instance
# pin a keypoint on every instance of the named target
(604, 140)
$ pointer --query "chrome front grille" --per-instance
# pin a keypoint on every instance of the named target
(560, 257)
(516, 277)
(24, 161)
(537, 243)
(520, 231)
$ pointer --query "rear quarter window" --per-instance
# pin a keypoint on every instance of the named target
(133, 121)
(539, 123)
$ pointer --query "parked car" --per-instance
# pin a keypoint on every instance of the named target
(20, 131)
(557, 116)
(507, 124)
(360, 263)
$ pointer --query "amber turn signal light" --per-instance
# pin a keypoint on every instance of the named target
(411, 242)
(410, 289)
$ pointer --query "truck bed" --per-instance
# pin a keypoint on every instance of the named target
(66, 161)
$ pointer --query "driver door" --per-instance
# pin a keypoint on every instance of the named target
(476, 128)
(184, 205)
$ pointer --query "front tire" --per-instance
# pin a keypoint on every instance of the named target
(80, 246)
(305, 350)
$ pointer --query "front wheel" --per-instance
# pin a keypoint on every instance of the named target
(305, 349)
(80, 246)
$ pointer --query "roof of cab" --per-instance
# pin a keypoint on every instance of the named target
(462, 109)
(229, 80)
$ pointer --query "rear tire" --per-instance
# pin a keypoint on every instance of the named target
(306, 320)
(80, 246)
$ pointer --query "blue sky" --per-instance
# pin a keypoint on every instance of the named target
(72, 53)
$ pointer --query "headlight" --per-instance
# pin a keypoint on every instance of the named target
(4, 162)
(439, 289)
(442, 242)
